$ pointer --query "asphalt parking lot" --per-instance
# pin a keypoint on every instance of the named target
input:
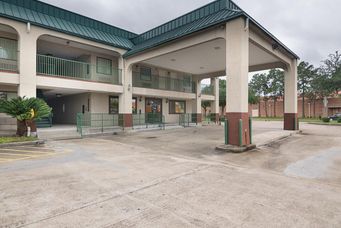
(12, 154)
(175, 178)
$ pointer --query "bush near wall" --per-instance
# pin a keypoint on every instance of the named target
(325, 119)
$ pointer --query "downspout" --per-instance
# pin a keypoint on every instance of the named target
(247, 24)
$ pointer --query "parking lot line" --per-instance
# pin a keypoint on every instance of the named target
(16, 154)
(28, 151)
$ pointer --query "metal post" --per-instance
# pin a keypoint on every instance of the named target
(250, 129)
(102, 124)
(226, 130)
(240, 132)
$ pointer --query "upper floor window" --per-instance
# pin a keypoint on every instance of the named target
(146, 73)
(187, 80)
(104, 66)
(8, 49)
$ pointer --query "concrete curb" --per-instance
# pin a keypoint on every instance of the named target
(235, 149)
(326, 124)
(275, 140)
(28, 143)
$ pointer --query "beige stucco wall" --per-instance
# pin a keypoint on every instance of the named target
(73, 105)
(99, 103)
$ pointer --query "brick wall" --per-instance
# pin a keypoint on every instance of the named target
(312, 109)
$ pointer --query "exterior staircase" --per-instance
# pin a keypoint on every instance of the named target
(45, 122)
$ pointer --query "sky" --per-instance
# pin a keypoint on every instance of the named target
(310, 28)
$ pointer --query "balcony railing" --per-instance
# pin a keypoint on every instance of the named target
(162, 83)
(207, 90)
(9, 65)
(53, 66)
(8, 55)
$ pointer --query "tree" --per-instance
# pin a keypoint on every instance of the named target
(205, 105)
(305, 75)
(25, 110)
(222, 93)
(259, 84)
(276, 85)
(331, 69)
(253, 98)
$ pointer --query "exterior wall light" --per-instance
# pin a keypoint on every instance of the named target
(129, 87)
(167, 100)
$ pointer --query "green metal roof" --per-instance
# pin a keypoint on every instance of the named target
(214, 13)
(209, 15)
(54, 18)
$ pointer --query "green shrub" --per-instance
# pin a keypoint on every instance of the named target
(325, 119)
(339, 120)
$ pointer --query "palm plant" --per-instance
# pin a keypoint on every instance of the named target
(25, 110)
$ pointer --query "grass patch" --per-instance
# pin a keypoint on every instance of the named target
(331, 123)
(16, 139)
(301, 120)
(307, 120)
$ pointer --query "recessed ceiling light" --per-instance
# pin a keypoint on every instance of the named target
(217, 48)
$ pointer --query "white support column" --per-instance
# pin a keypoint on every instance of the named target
(197, 105)
(215, 104)
(290, 97)
(237, 69)
(125, 99)
(28, 63)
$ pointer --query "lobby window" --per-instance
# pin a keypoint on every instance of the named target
(113, 105)
(104, 66)
(177, 107)
(145, 73)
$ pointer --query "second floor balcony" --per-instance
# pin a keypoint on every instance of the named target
(8, 55)
(64, 68)
(163, 83)
(207, 90)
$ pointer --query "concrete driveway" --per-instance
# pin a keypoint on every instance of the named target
(175, 178)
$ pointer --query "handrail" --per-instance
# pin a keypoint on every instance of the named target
(207, 90)
(187, 118)
(163, 83)
(148, 119)
(55, 66)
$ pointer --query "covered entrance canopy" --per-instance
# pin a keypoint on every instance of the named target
(216, 40)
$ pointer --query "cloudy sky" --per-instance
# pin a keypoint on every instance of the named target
(311, 28)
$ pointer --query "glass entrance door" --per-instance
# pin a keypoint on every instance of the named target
(153, 110)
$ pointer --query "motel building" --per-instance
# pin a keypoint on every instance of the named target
(95, 74)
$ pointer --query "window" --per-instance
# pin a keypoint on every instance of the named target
(104, 66)
(8, 49)
(145, 73)
(113, 105)
(177, 107)
(187, 80)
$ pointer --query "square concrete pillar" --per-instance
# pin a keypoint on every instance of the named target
(215, 103)
(197, 103)
(125, 99)
(27, 64)
(290, 97)
(237, 69)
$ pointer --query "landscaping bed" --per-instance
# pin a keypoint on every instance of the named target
(4, 140)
